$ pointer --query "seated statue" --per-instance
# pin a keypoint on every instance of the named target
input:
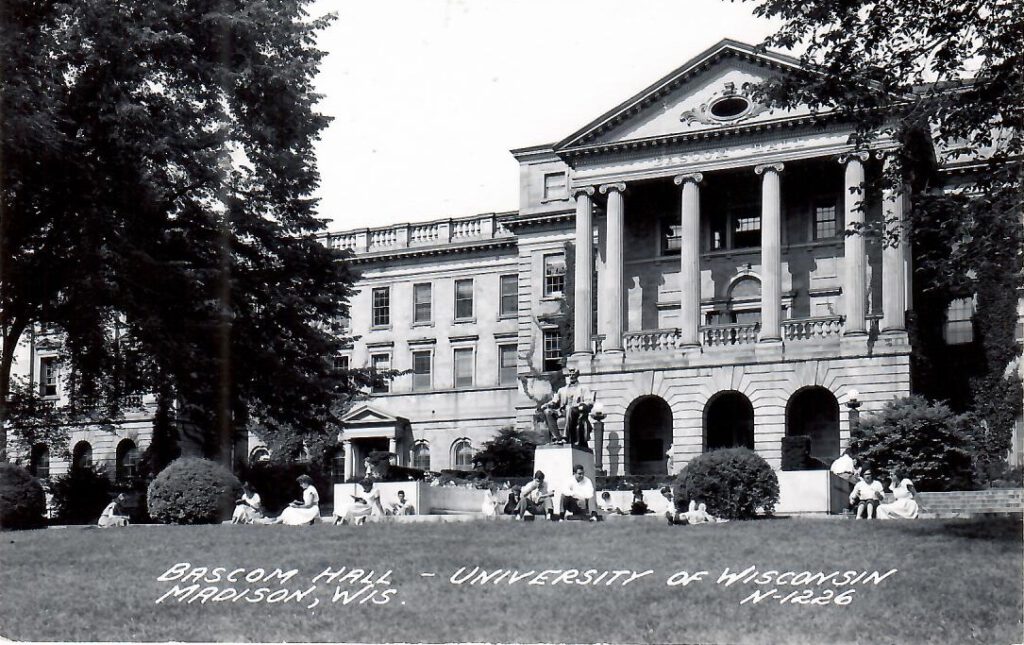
(573, 402)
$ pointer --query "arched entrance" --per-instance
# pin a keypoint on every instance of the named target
(814, 412)
(728, 422)
(648, 435)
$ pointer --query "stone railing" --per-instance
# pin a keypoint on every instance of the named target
(656, 340)
(810, 328)
(405, 236)
(735, 334)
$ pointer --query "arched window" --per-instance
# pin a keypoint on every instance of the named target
(462, 455)
(81, 456)
(421, 456)
(39, 461)
(728, 421)
(814, 412)
(127, 461)
(259, 455)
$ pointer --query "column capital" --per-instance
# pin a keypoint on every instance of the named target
(619, 187)
(695, 177)
(777, 167)
(576, 191)
(886, 154)
(856, 155)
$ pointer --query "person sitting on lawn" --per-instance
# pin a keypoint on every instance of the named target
(304, 511)
(512, 502)
(605, 505)
(490, 504)
(905, 506)
(535, 498)
(578, 496)
(113, 514)
(665, 506)
(698, 513)
(366, 504)
(248, 507)
(866, 495)
(639, 506)
(845, 467)
(402, 506)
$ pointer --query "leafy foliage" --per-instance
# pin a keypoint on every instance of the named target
(156, 207)
(734, 483)
(275, 482)
(926, 441)
(193, 491)
(509, 454)
(22, 502)
(81, 494)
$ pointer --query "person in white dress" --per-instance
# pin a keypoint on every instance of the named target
(113, 514)
(904, 507)
(249, 507)
(302, 512)
(490, 504)
(366, 505)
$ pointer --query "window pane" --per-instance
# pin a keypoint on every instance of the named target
(552, 350)
(554, 275)
(554, 186)
(48, 368)
(463, 367)
(463, 456)
(746, 231)
(381, 306)
(421, 370)
(463, 299)
(960, 322)
(421, 298)
(421, 456)
(506, 364)
(824, 222)
(380, 362)
(509, 295)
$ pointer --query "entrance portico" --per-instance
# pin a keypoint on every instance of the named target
(367, 429)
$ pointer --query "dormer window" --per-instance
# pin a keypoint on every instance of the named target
(729, 108)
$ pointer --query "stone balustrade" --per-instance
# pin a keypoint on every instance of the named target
(404, 236)
(812, 328)
(656, 340)
(735, 334)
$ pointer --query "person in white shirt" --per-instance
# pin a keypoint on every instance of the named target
(665, 505)
(402, 506)
(845, 467)
(535, 498)
(867, 494)
(578, 496)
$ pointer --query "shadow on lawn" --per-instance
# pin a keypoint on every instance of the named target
(996, 529)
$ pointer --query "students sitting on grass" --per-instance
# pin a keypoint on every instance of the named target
(639, 506)
(366, 505)
(304, 511)
(248, 507)
(490, 504)
(905, 506)
(113, 514)
(605, 505)
(402, 506)
(535, 498)
(867, 493)
(578, 496)
(665, 506)
(513, 501)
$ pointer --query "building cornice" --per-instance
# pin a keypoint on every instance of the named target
(431, 251)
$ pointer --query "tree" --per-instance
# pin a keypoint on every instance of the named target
(158, 167)
(510, 454)
(945, 81)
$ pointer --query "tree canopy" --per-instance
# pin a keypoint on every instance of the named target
(157, 177)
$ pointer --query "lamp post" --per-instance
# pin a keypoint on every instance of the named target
(597, 415)
(853, 403)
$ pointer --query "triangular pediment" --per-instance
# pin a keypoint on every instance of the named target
(367, 415)
(705, 95)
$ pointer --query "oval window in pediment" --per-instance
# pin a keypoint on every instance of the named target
(730, 107)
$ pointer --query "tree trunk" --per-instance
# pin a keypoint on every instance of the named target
(10, 341)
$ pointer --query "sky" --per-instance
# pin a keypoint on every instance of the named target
(429, 96)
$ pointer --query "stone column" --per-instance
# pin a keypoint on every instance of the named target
(347, 446)
(894, 263)
(582, 305)
(689, 259)
(771, 252)
(854, 256)
(612, 297)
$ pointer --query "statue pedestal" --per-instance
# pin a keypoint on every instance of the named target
(557, 462)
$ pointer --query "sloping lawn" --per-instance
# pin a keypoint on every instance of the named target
(956, 582)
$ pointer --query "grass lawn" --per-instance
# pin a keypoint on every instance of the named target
(957, 581)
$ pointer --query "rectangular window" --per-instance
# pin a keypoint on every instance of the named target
(554, 275)
(48, 370)
(506, 364)
(422, 367)
(671, 238)
(380, 363)
(824, 221)
(552, 350)
(746, 231)
(421, 303)
(463, 299)
(509, 295)
(340, 363)
(464, 368)
(959, 328)
(381, 307)
(554, 186)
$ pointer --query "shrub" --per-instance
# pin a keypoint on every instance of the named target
(734, 483)
(22, 502)
(81, 494)
(275, 482)
(509, 454)
(193, 491)
(927, 441)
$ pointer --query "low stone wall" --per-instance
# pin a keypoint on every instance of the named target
(972, 502)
